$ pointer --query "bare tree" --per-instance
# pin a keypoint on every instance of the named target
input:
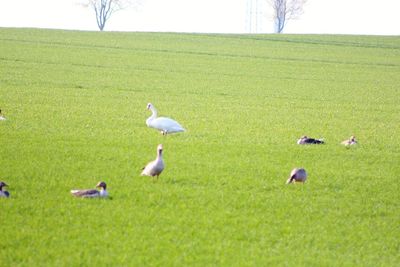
(285, 10)
(105, 8)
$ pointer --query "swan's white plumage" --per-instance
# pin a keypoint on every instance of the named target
(155, 167)
(165, 125)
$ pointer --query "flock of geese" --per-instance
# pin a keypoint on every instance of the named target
(155, 167)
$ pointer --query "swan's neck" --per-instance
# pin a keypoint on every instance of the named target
(153, 115)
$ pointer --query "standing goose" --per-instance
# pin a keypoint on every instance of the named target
(297, 175)
(2, 118)
(92, 193)
(3, 193)
(165, 125)
(155, 167)
(351, 141)
(304, 140)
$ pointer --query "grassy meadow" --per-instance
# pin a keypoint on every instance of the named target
(75, 104)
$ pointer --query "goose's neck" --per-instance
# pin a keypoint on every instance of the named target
(103, 192)
(159, 155)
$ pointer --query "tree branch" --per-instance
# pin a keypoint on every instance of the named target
(105, 8)
(285, 10)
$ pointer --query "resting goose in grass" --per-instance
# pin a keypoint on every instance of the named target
(304, 140)
(92, 193)
(165, 125)
(2, 118)
(297, 175)
(155, 167)
(3, 193)
(351, 141)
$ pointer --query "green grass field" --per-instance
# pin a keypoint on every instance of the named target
(75, 104)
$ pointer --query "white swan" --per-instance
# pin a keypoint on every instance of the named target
(155, 167)
(297, 175)
(165, 125)
(92, 193)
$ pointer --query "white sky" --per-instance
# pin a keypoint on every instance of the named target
(376, 17)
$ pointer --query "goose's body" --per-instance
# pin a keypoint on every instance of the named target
(2, 118)
(304, 140)
(297, 175)
(163, 124)
(351, 141)
(3, 193)
(155, 167)
(92, 193)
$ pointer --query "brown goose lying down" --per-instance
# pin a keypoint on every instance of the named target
(351, 141)
(304, 140)
(155, 167)
(92, 193)
(297, 175)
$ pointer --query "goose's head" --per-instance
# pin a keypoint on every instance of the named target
(353, 138)
(3, 184)
(149, 106)
(101, 185)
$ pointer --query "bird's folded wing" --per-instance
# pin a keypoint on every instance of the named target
(81, 193)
